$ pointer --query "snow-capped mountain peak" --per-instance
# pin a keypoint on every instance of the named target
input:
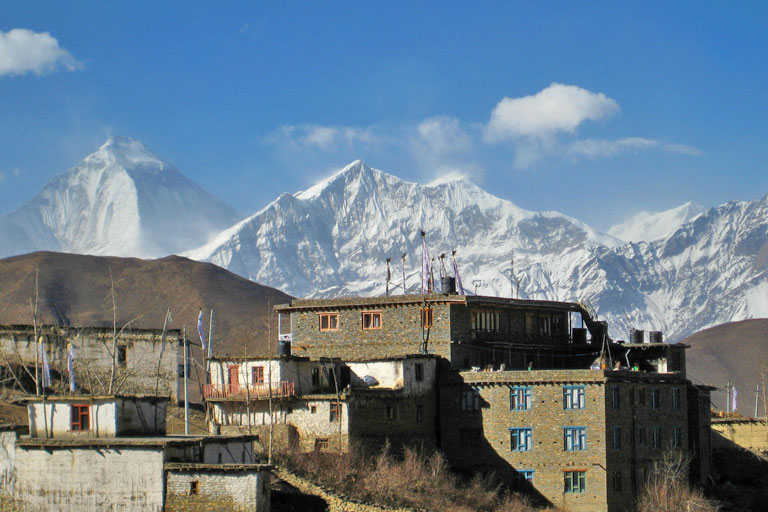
(121, 200)
(127, 153)
(647, 227)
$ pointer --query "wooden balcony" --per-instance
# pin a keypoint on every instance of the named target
(283, 389)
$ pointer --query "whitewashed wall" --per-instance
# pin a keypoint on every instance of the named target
(58, 415)
(299, 415)
(89, 479)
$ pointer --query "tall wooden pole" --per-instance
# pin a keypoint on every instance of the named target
(186, 387)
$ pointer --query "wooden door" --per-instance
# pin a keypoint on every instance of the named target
(234, 374)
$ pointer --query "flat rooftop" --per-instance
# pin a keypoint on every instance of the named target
(105, 442)
(301, 304)
(564, 376)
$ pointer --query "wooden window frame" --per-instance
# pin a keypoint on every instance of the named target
(122, 355)
(328, 317)
(257, 375)
(78, 417)
(427, 318)
(371, 324)
(334, 413)
(194, 488)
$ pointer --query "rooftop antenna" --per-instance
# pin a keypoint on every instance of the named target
(432, 276)
(389, 276)
(402, 264)
(426, 282)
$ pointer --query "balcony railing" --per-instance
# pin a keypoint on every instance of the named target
(283, 389)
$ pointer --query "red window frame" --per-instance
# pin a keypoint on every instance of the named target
(257, 375)
(80, 418)
(331, 321)
(335, 412)
(372, 322)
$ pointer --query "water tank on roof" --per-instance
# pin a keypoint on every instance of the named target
(599, 331)
(636, 336)
(448, 285)
(656, 337)
(579, 336)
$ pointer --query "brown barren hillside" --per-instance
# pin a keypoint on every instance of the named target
(737, 351)
(75, 290)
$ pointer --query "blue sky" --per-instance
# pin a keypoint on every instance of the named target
(597, 110)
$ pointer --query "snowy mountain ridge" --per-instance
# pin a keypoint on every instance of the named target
(697, 270)
(647, 227)
(681, 271)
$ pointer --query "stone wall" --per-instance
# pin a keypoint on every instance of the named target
(547, 417)
(377, 416)
(214, 489)
(400, 333)
(750, 434)
(481, 439)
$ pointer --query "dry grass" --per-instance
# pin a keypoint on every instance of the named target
(415, 480)
(667, 488)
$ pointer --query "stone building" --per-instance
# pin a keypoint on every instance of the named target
(579, 439)
(88, 461)
(325, 403)
(146, 362)
(534, 390)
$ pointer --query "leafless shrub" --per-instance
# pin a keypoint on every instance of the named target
(667, 488)
(416, 479)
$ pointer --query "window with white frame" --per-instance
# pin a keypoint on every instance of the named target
(574, 397)
(520, 398)
(574, 438)
(520, 439)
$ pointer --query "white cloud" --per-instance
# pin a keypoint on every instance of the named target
(683, 149)
(595, 148)
(23, 51)
(327, 138)
(442, 135)
(558, 108)
(598, 148)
